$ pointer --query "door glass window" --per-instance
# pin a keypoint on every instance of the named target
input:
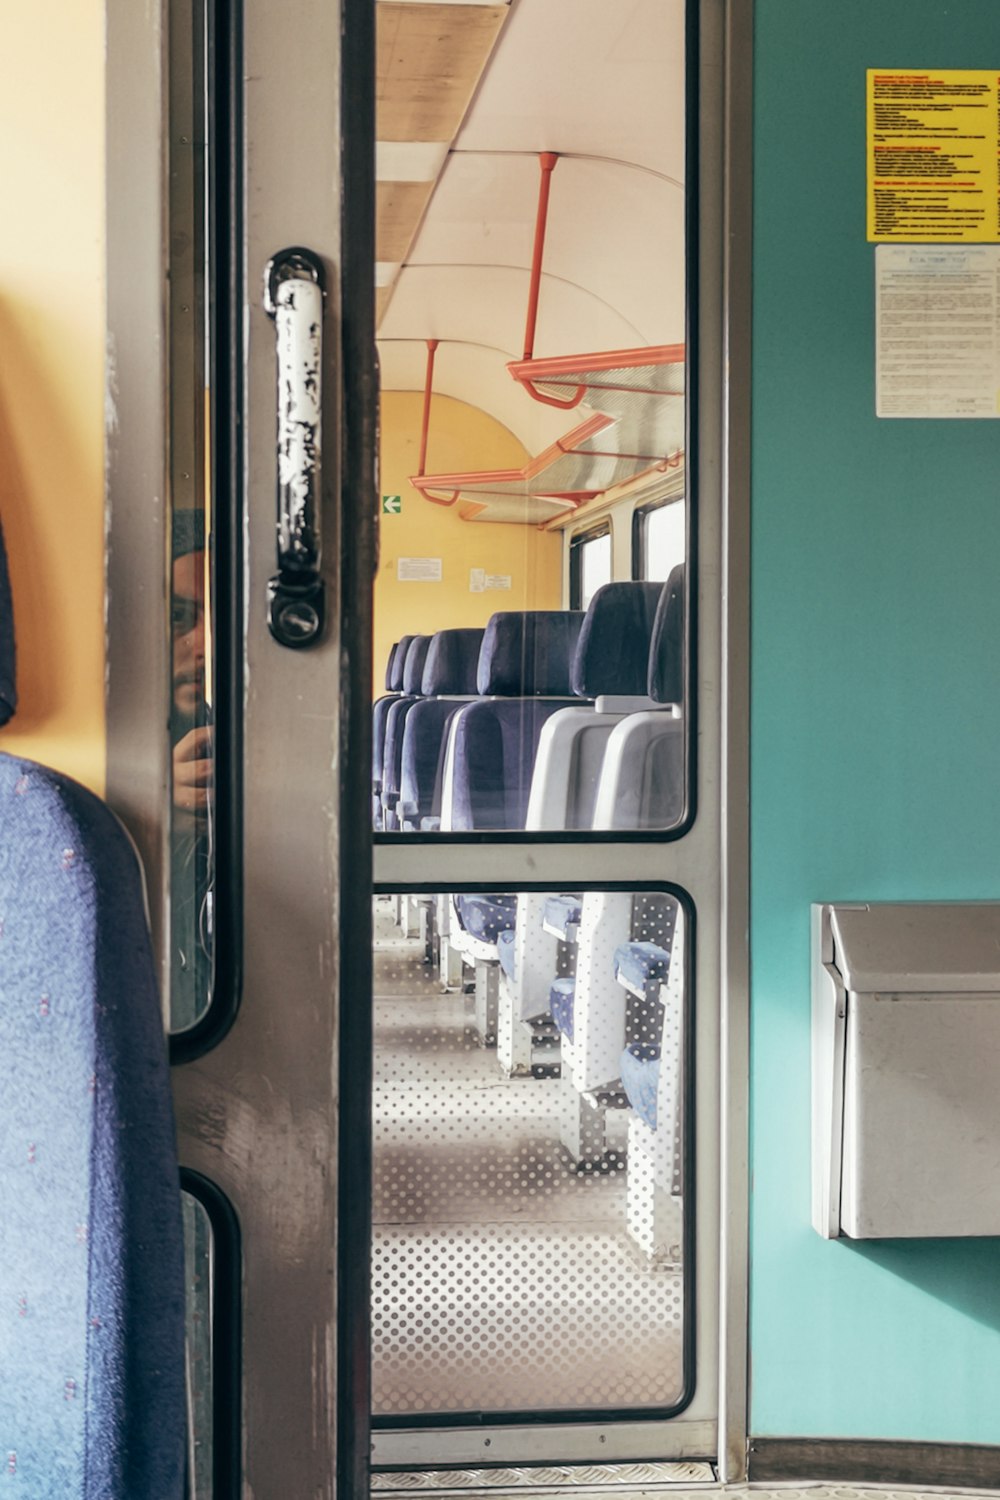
(530, 1126)
(190, 716)
(505, 483)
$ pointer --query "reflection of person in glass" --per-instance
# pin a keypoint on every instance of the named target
(193, 776)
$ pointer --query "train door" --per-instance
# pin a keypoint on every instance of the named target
(239, 704)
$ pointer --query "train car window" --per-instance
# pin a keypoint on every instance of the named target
(589, 565)
(658, 540)
(532, 1195)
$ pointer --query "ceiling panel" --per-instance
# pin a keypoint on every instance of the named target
(486, 305)
(429, 59)
(612, 228)
(399, 207)
(597, 77)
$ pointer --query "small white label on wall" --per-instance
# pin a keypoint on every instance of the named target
(419, 570)
(498, 580)
(937, 331)
(477, 580)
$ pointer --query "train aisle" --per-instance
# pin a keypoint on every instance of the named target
(503, 1276)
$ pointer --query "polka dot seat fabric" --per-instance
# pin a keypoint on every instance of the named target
(92, 1401)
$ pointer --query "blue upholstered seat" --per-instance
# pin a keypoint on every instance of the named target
(640, 1074)
(390, 662)
(507, 952)
(405, 669)
(562, 994)
(449, 671)
(92, 1399)
(486, 916)
(637, 964)
(562, 912)
(8, 677)
(612, 654)
(525, 658)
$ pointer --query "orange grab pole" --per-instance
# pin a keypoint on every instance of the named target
(547, 161)
(428, 384)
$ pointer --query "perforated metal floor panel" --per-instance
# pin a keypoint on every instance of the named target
(505, 1277)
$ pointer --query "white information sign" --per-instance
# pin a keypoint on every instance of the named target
(498, 580)
(419, 570)
(477, 580)
(937, 331)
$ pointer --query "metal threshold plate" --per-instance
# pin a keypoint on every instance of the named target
(577, 1477)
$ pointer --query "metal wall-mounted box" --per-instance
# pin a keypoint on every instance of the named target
(906, 1069)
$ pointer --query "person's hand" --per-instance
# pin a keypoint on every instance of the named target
(194, 769)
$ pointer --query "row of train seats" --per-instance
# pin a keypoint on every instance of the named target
(589, 986)
(547, 719)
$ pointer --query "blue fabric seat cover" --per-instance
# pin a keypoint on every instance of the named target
(666, 651)
(424, 739)
(495, 748)
(451, 663)
(612, 653)
(92, 1395)
(562, 912)
(507, 952)
(389, 665)
(449, 668)
(639, 963)
(640, 1073)
(392, 759)
(486, 916)
(562, 995)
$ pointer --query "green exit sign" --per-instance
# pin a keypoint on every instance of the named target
(392, 505)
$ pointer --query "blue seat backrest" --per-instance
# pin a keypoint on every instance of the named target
(526, 656)
(92, 1398)
(527, 653)
(666, 652)
(452, 662)
(449, 669)
(612, 654)
(389, 665)
(413, 666)
(8, 676)
(395, 682)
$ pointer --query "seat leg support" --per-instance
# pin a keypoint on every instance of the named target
(487, 1002)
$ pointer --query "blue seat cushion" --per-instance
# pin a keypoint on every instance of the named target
(562, 994)
(640, 963)
(640, 1065)
(507, 952)
(486, 917)
(495, 747)
(562, 912)
(424, 735)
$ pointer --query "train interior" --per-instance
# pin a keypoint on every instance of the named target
(659, 686)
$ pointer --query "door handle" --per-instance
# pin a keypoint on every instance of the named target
(293, 297)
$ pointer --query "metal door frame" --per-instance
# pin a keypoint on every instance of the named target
(214, 1118)
(258, 1111)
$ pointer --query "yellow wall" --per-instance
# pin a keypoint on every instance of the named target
(52, 377)
(461, 438)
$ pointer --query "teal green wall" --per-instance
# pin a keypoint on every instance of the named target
(875, 718)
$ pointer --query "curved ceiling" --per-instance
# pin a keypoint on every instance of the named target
(604, 83)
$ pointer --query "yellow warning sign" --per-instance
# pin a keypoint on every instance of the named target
(933, 145)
